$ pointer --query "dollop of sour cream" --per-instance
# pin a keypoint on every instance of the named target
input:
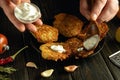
(58, 48)
(27, 12)
(91, 42)
(80, 49)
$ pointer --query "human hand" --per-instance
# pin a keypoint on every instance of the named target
(8, 8)
(101, 11)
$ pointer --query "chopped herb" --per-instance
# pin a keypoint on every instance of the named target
(8, 70)
(4, 77)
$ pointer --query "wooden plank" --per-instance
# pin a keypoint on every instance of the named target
(15, 41)
(93, 68)
(111, 46)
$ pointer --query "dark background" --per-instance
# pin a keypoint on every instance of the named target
(97, 67)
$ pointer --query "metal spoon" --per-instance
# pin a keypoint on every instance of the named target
(92, 28)
(93, 37)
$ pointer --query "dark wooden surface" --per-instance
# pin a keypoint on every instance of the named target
(97, 67)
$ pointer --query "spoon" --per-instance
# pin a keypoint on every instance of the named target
(92, 28)
(92, 33)
(92, 36)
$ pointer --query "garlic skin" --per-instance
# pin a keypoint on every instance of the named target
(31, 64)
(27, 12)
(70, 68)
(47, 73)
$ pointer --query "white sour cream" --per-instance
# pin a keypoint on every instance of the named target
(91, 42)
(27, 12)
(58, 48)
(80, 49)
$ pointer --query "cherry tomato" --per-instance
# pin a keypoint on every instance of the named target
(3, 43)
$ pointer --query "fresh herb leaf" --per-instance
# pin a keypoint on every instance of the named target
(8, 70)
(4, 77)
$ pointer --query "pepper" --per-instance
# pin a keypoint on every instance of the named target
(9, 59)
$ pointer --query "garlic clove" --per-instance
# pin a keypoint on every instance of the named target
(31, 64)
(47, 73)
(70, 68)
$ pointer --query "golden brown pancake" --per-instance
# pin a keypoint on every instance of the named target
(68, 25)
(74, 44)
(77, 48)
(49, 52)
(46, 33)
(102, 27)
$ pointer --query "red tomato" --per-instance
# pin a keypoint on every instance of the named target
(3, 43)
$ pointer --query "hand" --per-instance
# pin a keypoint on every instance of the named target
(8, 8)
(102, 10)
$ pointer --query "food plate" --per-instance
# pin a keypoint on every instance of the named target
(30, 40)
(98, 48)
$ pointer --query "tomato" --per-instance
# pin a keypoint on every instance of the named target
(3, 43)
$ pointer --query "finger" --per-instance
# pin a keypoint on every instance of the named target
(4, 2)
(19, 1)
(20, 26)
(16, 1)
(25, 0)
(31, 27)
(97, 8)
(109, 11)
(84, 9)
(9, 11)
(38, 22)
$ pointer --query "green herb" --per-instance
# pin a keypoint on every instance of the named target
(8, 70)
(4, 77)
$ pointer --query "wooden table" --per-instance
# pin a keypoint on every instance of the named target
(97, 67)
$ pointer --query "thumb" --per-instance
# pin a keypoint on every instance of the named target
(97, 8)
(16, 1)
